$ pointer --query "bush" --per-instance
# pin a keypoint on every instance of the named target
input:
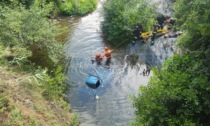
(121, 16)
(24, 30)
(78, 7)
(53, 86)
(178, 94)
(174, 96)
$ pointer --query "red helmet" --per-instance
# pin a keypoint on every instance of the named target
(105, 48)
(98, 54)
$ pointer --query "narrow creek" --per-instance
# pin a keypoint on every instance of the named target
(119, 80)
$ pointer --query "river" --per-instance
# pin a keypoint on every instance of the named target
(120, 79)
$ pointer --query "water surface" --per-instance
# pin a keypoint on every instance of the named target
(120, 79)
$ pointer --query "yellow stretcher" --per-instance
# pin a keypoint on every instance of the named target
(146, 35)
(161, 32)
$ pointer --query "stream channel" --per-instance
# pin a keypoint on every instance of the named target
(120, 79)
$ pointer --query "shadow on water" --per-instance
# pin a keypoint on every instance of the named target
(128, 70)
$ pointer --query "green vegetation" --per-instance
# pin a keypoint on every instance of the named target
(78, 7)
(32, 83)
(121, 17)
(67, 7)
(22, 101)
(178, 93)
(32, 34)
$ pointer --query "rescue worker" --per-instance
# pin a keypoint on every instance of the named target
(137, 33)
(153, 38)
(98, 58)
(156, 26)
(107, 54)
(171, 21)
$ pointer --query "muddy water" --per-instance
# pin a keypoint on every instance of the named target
(120, 79)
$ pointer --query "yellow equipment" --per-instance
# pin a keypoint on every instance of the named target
(161, 32)
(146, 35)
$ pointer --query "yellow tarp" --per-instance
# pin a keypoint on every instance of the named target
(146, 34)
(163, 30)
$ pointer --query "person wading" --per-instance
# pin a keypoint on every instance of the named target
(98, 58)
(107, 54)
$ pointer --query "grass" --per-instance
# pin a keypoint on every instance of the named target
(22, 103)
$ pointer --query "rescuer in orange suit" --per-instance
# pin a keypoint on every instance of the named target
(98, 58)
(107, 54)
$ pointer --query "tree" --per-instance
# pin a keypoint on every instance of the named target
(78, 7)
(121, 16)
(30, 29)
(194, 19)
(175, 95)
(178, 94)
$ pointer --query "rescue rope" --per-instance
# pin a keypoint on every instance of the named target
(119, 45)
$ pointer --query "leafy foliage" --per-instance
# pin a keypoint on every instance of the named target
(121, 16)
(67, 7)
(194, 19)
(74, 120)
(78, 7)
(178, 94)
(25, 33)
(53, 86)
(195, 22)
(13, 3)
(30, 29)
(28, 32)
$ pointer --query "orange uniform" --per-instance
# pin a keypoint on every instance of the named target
(107, 53)
(98, 58)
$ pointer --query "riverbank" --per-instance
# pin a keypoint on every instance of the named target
(30, 93)
(22, 102)
(176, 94)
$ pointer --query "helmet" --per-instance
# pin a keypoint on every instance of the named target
(98, 54)
(168, 21)
(105, 48)
(166, 35)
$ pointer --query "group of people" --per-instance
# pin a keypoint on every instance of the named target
(157, 25)
(168, 23)
(107, 54)
(137, 33)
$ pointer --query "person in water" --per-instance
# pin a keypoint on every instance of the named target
(107, 54)
(98, 58)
